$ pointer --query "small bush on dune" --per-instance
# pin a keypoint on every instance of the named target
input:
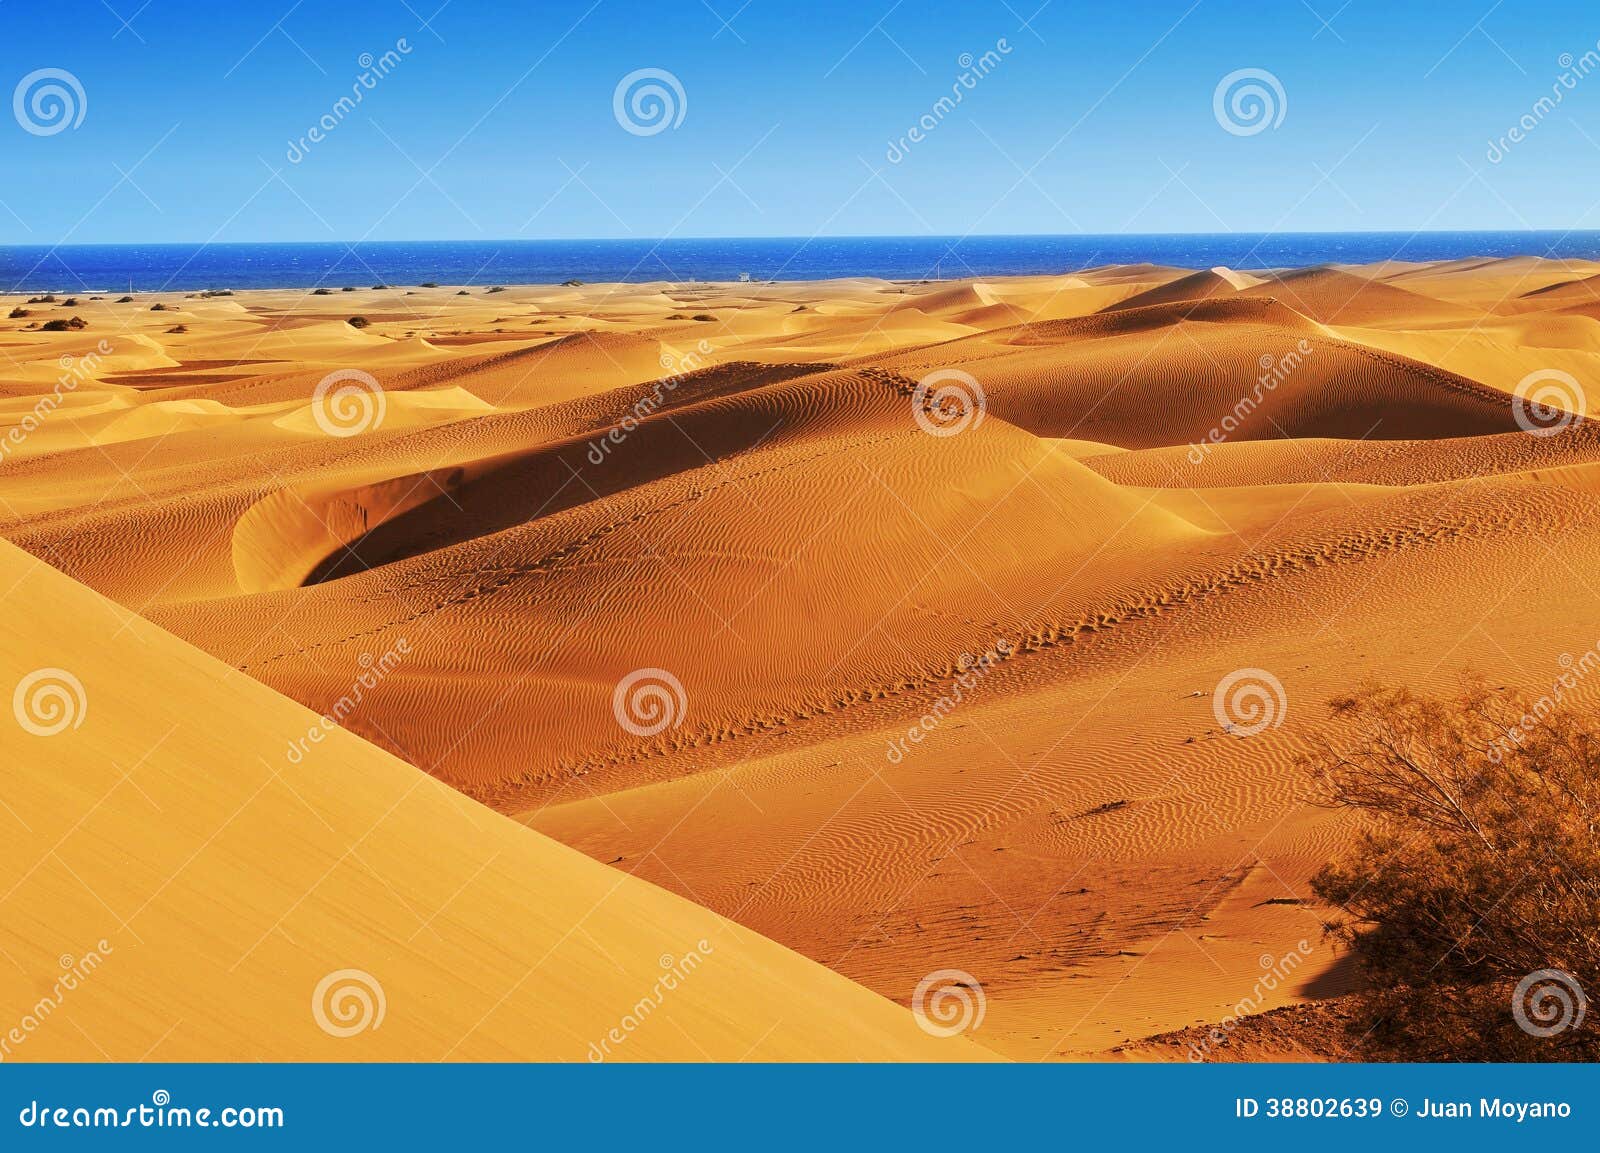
(321, 292)
(1478, 866)
(72, 325)
(358, 322)
(124, 300)
(19, 312)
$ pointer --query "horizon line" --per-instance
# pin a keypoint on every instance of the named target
(818, 237)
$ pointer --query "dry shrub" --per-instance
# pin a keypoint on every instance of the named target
(1477, 865)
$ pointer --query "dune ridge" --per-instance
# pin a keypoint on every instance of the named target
(1036, 521)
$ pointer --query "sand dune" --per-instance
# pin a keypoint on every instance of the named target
(764, 501)
(199, 868)
(1196, 286)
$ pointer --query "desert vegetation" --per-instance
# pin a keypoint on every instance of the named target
(1471, 894)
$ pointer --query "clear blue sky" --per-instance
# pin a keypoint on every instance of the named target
(499, 122)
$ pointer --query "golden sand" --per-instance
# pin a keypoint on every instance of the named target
(508, 504)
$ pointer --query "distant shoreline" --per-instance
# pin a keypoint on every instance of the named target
(197, 267)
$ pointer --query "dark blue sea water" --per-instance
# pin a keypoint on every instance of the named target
(153, 267)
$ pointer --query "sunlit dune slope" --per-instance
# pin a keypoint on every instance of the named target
(198, 881)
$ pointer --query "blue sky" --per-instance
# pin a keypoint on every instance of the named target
(498, 122)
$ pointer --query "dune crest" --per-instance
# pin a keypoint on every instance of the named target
(880, 624)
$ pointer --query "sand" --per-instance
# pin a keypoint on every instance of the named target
(200, 867)
(1174, 475)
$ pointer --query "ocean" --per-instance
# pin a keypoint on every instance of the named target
(188, 267)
